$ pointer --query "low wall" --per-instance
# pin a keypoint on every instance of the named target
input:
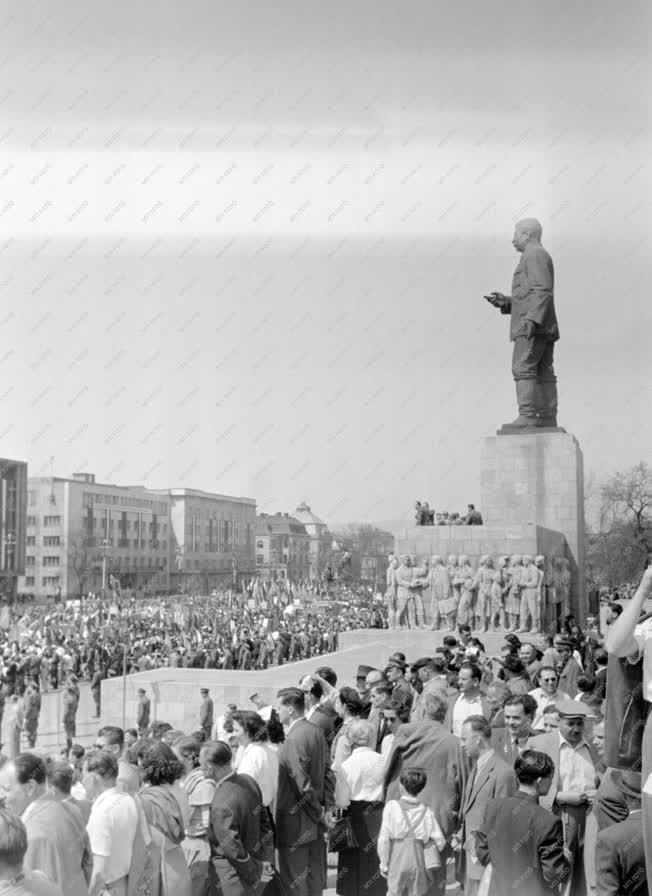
(175, 693)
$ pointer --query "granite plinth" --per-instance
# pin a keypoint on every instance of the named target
(537, 479)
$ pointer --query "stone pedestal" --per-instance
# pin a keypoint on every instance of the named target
(537, 479)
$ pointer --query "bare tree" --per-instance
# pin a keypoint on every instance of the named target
(81, 560)
(620, 543)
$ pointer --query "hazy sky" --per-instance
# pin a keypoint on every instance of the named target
(243, 248)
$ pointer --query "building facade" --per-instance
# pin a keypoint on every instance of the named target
(212, 542)
(317, 532)
(13, 510)
(282, 548)
(80, 534)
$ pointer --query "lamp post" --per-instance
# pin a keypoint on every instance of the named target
(105, 547)
(180, 559)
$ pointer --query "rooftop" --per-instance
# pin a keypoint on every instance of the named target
(279, 524)
(307, 517)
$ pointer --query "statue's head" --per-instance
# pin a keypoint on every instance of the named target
(527, 560)
(516, 560)
(485, 560)
(525, 231)
(435, 559)
(464, 560)
(405, 559)
(503, 561)
(395, 562)
(452, 560)
(540, 561)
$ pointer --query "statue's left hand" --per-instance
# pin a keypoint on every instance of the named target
(528, 329)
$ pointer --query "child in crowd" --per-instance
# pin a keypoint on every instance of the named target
(410, 839)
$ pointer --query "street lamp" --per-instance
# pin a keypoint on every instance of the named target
(180, 559)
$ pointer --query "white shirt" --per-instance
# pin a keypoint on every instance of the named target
(544, 700)
(394, 826)
(261, 763)
(465, 707)
(643, 637)
(576, 769)
(111, 830)
(360, 778)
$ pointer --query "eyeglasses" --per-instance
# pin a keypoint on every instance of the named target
(549, 680)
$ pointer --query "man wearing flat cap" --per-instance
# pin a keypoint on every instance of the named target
(431, 671)
(575, 780)
(401, 690)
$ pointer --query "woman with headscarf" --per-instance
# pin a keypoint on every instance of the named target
(162, 803)
(200, 791)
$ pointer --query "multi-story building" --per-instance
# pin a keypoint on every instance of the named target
(80, 532)
(282, 547)
(13, 504)
(318, 532)
(212, 542)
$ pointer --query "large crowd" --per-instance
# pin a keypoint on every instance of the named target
(516, 773)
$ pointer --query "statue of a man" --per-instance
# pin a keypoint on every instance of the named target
(440, 590)
(542, 603)
(390, 593)
(465, 579)
(533, 330)
(419, 582)
(513, 600)
(484, 580)
(404, 596)
(529, 594)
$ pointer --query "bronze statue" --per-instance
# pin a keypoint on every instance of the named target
(533, 330)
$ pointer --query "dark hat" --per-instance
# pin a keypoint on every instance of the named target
(564, 642)
(363, 671)
(396, 664)
(422, 661)
(628, 782)
(203, 690)
(572, 709)
(514, 640)
(141, 691)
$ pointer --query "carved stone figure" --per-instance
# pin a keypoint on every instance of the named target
(404, 597)
(419, 582)
(542, 604)
(448, 606)
(465, 578)
(390, 593)
(565, 581)
(533, 328)
(529, 592)
(483, 583)
(498, 600)
(513, 598)
(440, 590)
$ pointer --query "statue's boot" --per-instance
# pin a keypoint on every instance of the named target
(526, 396)
(547, 402)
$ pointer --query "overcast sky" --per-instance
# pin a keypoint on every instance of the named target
(243, 248)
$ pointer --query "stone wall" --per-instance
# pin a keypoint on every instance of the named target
(175, 692)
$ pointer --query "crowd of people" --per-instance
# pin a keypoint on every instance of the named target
(498, 770)
(424, 516)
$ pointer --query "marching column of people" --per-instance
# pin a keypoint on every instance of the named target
(508, 774)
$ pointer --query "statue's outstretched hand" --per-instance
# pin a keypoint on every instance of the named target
(497, 299)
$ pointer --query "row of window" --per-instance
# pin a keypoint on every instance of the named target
(47, 520)
(100, 522)
(49, 541)
(46, 581)
(90, 499)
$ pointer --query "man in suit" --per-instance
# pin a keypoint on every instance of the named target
(143, 712)
(401, 689)
(380, 694)
(239, 832)
(524, 842)
(428, 745)
(490, 778)
(620, 854)
(206, 713)
(306, 787)
(432, 674)
(321, 714)
(512, 740)
(568, 670)
(574, 782)
(469, 702)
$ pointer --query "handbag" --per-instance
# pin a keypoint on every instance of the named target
(341, 835)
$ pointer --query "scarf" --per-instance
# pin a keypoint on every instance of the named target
(163, 812)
